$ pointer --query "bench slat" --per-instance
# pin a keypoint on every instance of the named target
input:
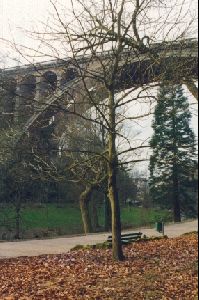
(132, 234)
(127, 238)
(129, 235)
(124, 240)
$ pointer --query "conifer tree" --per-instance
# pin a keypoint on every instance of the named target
(174, 154)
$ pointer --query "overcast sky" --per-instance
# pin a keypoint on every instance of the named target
(28, 14)
(16, 15)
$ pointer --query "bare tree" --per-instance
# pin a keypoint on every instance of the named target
(82, 149)
(116, 26)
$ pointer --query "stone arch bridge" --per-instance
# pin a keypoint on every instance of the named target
(28, 93)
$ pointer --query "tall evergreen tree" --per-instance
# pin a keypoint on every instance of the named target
(174, 154)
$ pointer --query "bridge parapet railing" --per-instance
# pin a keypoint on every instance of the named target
(190, 44)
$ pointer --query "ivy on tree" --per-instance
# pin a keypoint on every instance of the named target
(174, 155)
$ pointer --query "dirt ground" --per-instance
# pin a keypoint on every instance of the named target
(64, 244)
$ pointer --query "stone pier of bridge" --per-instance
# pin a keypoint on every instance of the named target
(22, 90)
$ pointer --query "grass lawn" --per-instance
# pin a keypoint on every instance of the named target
(136, 217)
(66, 219)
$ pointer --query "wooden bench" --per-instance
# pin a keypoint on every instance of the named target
(127, 238)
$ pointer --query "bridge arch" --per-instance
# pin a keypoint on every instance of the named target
(7, 101)
(48, 83)
(27, 85)
(67, 75)
(25, 95)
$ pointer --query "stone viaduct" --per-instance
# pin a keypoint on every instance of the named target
(24, 88)
(29, 92)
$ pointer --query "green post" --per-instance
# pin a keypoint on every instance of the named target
(160, 227)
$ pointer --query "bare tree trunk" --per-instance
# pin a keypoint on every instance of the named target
(17, 224)
(192, 87)
(175, 192)
(85, 198)
(107, 213)
(95, 220)
(176, 200)
(112, 184)
(115, 207)
(17, 216)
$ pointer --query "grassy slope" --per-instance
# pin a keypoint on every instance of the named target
(67, 219)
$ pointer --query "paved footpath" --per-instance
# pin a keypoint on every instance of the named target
(64, 244)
